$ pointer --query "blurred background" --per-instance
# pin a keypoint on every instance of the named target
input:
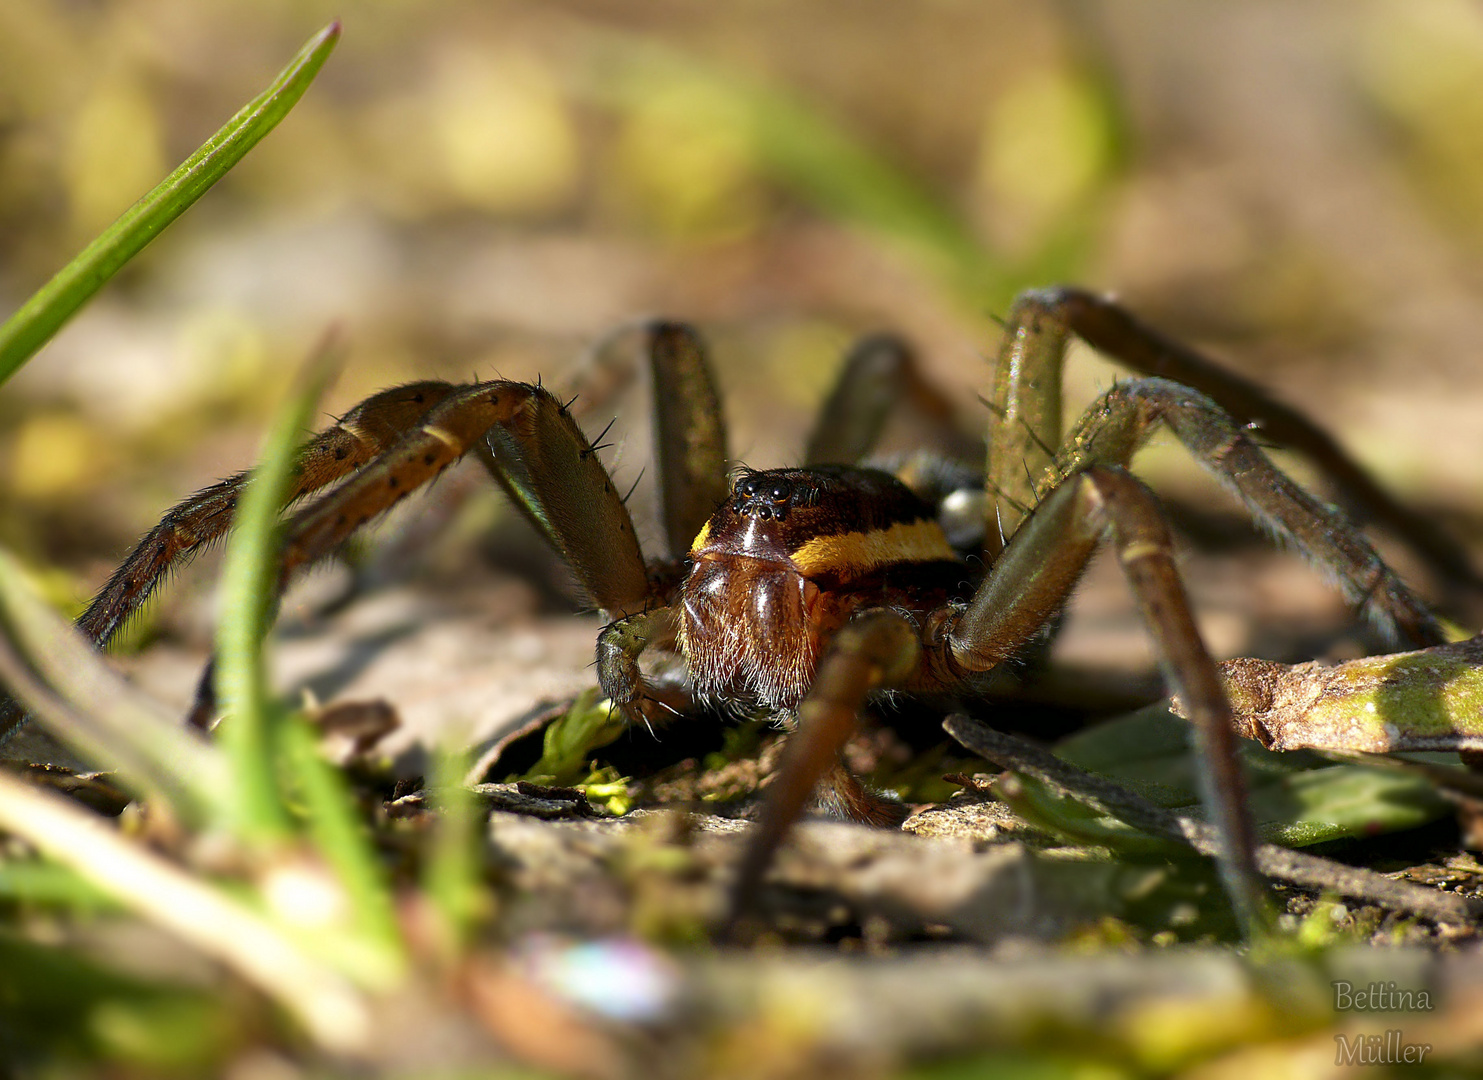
(481, 188)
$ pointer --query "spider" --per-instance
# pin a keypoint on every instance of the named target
(804, 591)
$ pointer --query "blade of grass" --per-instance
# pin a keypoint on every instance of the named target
(451, 874)
(45, 313)
(249, 599)
(329, 1007)
(372, 951)
(67, 684)
(43, 883)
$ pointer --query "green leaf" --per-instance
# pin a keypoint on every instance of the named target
(570, 739)
(1297, 798)
(56, 302)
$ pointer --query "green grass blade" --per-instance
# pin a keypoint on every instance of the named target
(372, 952)
(249, 600)
(41, 316)
(451, 878)
(69, 687)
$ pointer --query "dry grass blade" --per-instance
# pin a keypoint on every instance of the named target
(334, 1014)
(57, 674)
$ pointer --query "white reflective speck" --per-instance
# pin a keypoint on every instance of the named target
(616, 978)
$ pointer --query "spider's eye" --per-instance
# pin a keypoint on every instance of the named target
(781, 491)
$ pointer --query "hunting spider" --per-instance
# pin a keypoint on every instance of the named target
(803, 591)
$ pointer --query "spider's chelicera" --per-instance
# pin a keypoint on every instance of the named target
(806, 590)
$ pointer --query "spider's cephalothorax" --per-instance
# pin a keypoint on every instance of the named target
(787, 560)
(809, 589)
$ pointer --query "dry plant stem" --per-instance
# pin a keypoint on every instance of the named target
(1282, 864)
(333, 1012)
(1430, 699)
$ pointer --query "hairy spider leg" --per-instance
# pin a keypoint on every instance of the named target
(1027, 397)
(689, 433)
(1034, 577)
(533, 447)
(1123, 420)
(877, 648)
(691, 458)
(360, 435)
(1108, 435)
(880, 377)
(536, 448)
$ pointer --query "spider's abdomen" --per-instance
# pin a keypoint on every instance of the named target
(786, 561)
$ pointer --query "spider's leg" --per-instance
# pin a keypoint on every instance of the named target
(1027, 393)
(880, 375)
(877, 648)
(1115, 427)
(689, 432)
(1037, 572)
(363, 433)
(690, 448)
(534, 447)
